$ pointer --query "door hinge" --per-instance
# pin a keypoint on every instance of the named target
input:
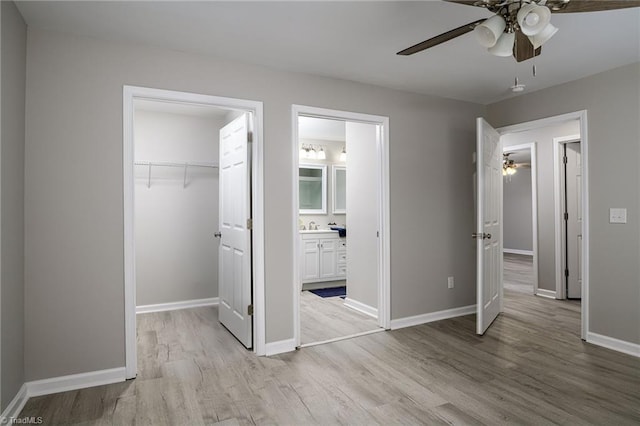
(566, 272)
(250, 310)
(566, 216)
(565, 160)
(378, 234)
(249, 223)
(249, 137)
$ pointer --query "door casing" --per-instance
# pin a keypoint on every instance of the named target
(384, 241)
(130, 93)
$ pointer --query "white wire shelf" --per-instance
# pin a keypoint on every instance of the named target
(185, 166)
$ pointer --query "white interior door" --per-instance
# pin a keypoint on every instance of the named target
(573, 180)
(489, 225)
(234, 282)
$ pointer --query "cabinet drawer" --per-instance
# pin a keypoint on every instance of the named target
(342, 257)
(342, 271)
(342, 243)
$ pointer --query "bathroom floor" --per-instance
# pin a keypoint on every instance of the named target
(325, 318)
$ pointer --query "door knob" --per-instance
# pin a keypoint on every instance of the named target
(218, 234)
(481, 235)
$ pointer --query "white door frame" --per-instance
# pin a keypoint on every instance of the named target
(384, 242)
(558, 191)
(130, 93)
(532, 148)
(581, 116)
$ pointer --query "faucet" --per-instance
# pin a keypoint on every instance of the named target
(312, 226)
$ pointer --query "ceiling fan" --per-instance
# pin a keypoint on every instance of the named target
(509, 166)
(518, 27)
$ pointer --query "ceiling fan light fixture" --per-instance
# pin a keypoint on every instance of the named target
(504, 46)
(543, 36)
(489, 32)
(533, 18)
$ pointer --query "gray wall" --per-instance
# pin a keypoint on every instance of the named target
(612, 100)
(546, 208)
(74, 219)
(13, 73)
(176, 252)
(517, 232)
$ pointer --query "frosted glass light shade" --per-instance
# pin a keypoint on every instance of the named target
(504, 46)
(543, 36)
(321, 154)
(533, 18)
(490, 30)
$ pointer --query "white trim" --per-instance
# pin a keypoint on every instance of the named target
(280, 347)
(432, 316)
(337, 339)
(623, 346)
(533, 151)
(15, 406)
(542, 292)
(256, 110)
(584, 148)
(361, 307)
(75, 381)
(172, 306)
(518, 251)
(384, 248)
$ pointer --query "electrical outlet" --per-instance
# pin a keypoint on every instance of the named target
(450, 282)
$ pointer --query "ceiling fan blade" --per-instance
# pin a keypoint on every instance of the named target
(574, 6)
(466, 2)
(457, 32)
(523, 49)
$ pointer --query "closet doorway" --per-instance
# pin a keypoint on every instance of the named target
(341, 268)
(193, 211)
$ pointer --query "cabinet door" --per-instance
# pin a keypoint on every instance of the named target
(328, 259)
(310, 259)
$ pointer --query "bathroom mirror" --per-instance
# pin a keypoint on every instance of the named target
(312, 184)
(339, 189)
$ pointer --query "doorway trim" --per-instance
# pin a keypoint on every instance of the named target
(384, 242)
(130, 93)
(557, 211)
(532, 148)
(581, 116)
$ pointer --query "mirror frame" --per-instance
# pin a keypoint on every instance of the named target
(334, 170)
(322, 167)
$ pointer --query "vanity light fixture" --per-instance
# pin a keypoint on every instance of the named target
(343, 154)
(321, 155)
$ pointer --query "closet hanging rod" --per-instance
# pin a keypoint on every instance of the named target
(174, 164)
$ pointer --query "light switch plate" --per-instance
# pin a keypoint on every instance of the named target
(617, 215)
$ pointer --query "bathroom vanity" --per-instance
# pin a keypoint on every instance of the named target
(323, 256)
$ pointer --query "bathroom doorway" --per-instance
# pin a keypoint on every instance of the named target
(340, 266)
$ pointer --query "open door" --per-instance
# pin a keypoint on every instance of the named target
(573, 220)
(234, 283)
(489, 225)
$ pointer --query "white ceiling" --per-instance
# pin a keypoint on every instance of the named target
(203, 111)
(321, 128)
(355, 40)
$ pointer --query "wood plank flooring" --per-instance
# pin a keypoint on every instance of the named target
(530, 368)
(518, 272)
(325, 318)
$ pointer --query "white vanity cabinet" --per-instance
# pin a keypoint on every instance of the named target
(323, 257)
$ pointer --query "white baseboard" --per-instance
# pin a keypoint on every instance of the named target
(280, 347)
(172, 306)
(518, 251)
(433, 316)
(75, 381)
(361, 307)
(623, 346)
(551, 294)
(15, 406)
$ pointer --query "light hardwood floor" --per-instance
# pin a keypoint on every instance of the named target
(325, 318)
(518, 272)
(530, 368)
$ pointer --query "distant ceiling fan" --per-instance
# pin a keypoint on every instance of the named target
(509, 166)
(518, 27)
